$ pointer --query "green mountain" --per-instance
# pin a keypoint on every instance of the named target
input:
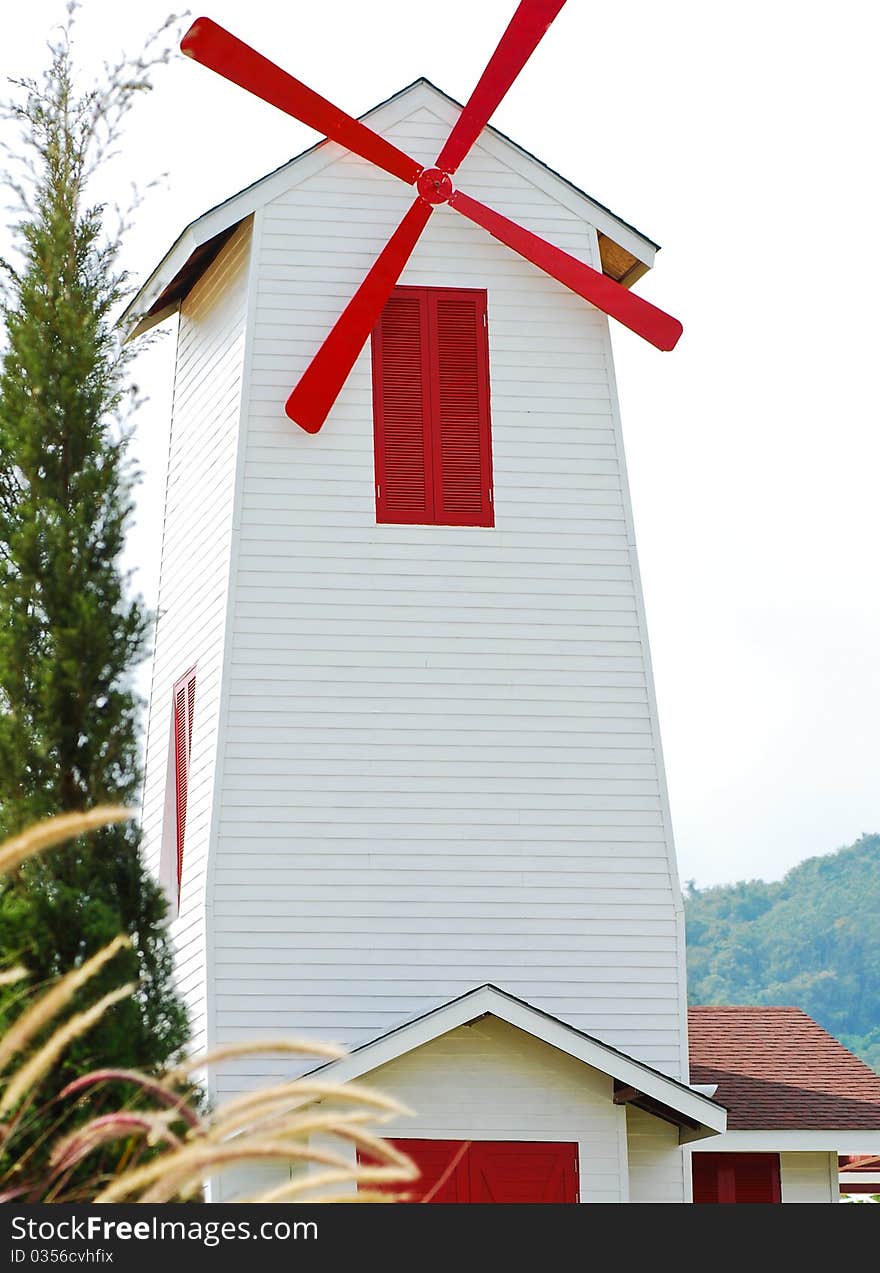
(811, 939)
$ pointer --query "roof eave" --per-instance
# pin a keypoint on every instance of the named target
(799, 1139)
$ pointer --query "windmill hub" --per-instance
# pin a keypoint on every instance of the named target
(434, 185)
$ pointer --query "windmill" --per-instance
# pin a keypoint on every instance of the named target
(312, 398)
(422, 780)
(416, 803)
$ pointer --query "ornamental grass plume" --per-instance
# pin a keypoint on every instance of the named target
(160, 1144)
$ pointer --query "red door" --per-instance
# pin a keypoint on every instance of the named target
(493, 1171)
(442, 1163)
(736, 1178)
(519, 1171)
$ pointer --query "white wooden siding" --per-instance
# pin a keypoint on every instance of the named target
(656, 1160)
(193, 589)
(809, 1177)
(440, 761)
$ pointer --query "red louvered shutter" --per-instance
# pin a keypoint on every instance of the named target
(401, 410)
(736, 1178)
(460, 403)
(431, 408)
(184, 708)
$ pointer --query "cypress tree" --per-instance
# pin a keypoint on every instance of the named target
(70, 633)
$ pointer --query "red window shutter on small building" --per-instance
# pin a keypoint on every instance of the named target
(184, 707)
(736, 1178)
(431, 408)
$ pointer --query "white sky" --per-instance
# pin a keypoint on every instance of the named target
(744, 139)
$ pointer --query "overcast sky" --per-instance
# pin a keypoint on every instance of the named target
(743, 138)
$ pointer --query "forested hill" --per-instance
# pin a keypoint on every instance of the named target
(811, 939)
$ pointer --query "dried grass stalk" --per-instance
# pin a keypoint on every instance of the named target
(204, 1159)
(10, 976)
(380, 1149)
(177, 1101)
(55, 831)
(9, 1195)
(305, 1126)
(320, 1179)
(299, 1092)
(151, 1124)
(47, 1007)
(363, 1195)
(393, 1166)
(184, 1183)
(25, 1080)
(264, 1047)
(306, 1156)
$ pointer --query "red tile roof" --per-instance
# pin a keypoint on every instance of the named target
(777, 1068)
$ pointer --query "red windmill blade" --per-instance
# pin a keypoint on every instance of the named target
(219, 49)
(633, 311)
(523, 35)
(318, 388)
(328, 371)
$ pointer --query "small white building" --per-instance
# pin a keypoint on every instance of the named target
(403, 781)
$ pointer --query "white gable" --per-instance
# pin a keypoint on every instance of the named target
(489, 1001)
(420, 102)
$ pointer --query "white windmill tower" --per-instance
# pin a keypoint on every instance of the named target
(403, 759)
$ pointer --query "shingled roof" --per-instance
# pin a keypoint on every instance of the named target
(776, 1068)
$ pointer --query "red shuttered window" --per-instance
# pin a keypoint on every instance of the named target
(184, 707)
(490, 1171)
(736, 1178)
(431, 408)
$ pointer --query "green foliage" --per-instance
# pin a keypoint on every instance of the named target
(69, 634)
(811, 940)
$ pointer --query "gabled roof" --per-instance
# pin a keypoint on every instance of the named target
(635, 1082)
(776, 1068)
(625, 252)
